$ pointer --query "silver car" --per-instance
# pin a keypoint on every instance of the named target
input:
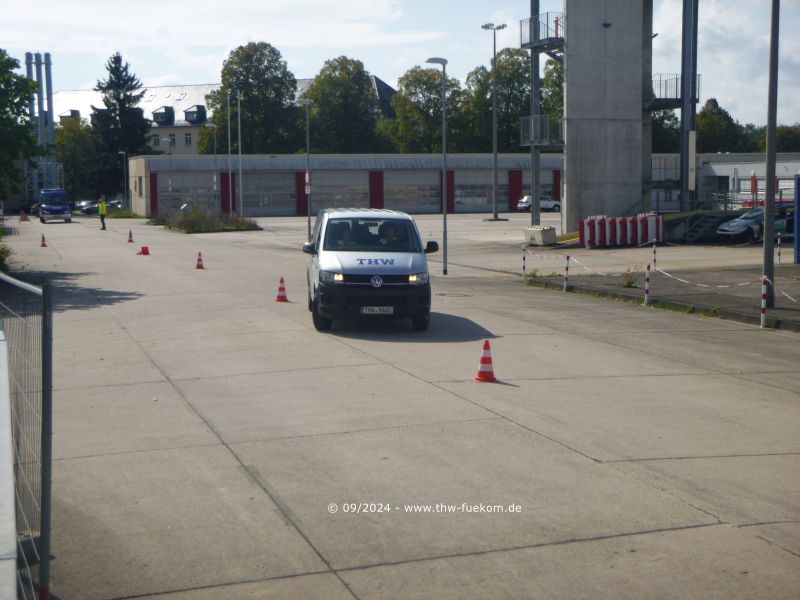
(368, 263)
(545, 203)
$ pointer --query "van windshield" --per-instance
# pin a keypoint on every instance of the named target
(375, 235)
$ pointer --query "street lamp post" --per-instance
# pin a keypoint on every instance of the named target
(494, 29)
(443, 62)
(125, 175)
(307, 103)
(239, 131)
(230, 172)
(213, 128)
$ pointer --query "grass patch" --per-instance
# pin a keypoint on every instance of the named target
(5, 253)
(122, 213)
(531, 276)
(629, 280)
(198, 221)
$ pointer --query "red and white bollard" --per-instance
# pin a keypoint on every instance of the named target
(779, 248)
(647, 286)
(524, 252)
(764, 282)
(566, 274)
(654, 254)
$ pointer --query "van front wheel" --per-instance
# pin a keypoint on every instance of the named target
(421, 323)
(320, 323)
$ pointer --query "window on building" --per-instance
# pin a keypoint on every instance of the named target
(156, 141)
(172, 140)
(140, 187)
(187, 139)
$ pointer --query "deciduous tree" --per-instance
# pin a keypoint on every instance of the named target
(16, 134)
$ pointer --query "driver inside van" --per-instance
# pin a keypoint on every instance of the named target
(346, 236)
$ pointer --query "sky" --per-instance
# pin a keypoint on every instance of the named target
(168, 42)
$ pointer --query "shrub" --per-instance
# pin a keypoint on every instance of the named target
(122, 213)
(195, 220)
(5, 252)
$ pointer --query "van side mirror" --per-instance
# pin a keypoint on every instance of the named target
(309, 248)
(431, 247)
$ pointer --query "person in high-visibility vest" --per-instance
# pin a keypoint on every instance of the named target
(101, 210)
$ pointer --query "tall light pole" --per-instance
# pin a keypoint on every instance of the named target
(307, 103)
(230, 172)
(213, 128)
(239, 132)
(769, 199)
(494, 29)
(125, 175)
(443, 62)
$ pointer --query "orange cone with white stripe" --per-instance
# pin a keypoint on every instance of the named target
(43, 244)
(199, 264)
(130, 236)
(485, 371)
(281, 297)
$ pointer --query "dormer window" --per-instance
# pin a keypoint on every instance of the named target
(195, 114)
(164, 116)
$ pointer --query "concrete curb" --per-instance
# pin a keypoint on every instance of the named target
(684, 307)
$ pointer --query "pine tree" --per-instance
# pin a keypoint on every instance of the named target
(120, 126)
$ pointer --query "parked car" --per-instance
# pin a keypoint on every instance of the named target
(92, 208)
(545, 203)
(749, 227)
(53, 206)
(84, 203)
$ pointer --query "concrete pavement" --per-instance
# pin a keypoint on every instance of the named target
(203, 432)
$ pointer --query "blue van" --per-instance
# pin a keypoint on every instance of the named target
(53, 205)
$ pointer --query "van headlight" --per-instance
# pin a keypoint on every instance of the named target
(418, 278)
(331, 277)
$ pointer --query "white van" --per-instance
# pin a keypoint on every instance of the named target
(368, 262)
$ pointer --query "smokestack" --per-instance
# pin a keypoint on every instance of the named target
(40, 138)
(32, 116)
(51, 127)
(29, 74)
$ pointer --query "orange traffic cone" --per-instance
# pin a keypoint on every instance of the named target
(281, 297)
(485, 371)
(199, 264)
(145, 251)
(44, 243)
(23, 216)
(130, 236)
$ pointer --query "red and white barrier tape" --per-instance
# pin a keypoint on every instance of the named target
(598, 272)
(707, 285)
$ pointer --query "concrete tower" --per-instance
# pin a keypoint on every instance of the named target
(607, 73)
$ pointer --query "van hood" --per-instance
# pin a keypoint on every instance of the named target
(355, 263)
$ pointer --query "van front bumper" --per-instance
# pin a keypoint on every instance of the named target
(343, 300)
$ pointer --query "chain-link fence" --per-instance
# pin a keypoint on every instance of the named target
(26, 315)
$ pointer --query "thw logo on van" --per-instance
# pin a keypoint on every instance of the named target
(375, 261)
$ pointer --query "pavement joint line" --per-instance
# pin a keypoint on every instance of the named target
(709, 457)
(760, 523)
(245, 468)
(579, 540)
(356, 431)
(274, 372)
(135, 451)
(107, 385)
(224, 584)
(771, 543)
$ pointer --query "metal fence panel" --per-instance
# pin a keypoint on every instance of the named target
(26, 314)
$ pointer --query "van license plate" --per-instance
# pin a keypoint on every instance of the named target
(377, 310)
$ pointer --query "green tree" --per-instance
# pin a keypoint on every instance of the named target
(476, 111)
(16, 134)
(344, 108)
(270, 121)
(513, 96)
(418, 106)
(76, 151)
(120, 126)
(666, 132)
(552, 101)
(717, 131)
(787, 138)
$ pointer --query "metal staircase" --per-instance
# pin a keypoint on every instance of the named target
(699, 226)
